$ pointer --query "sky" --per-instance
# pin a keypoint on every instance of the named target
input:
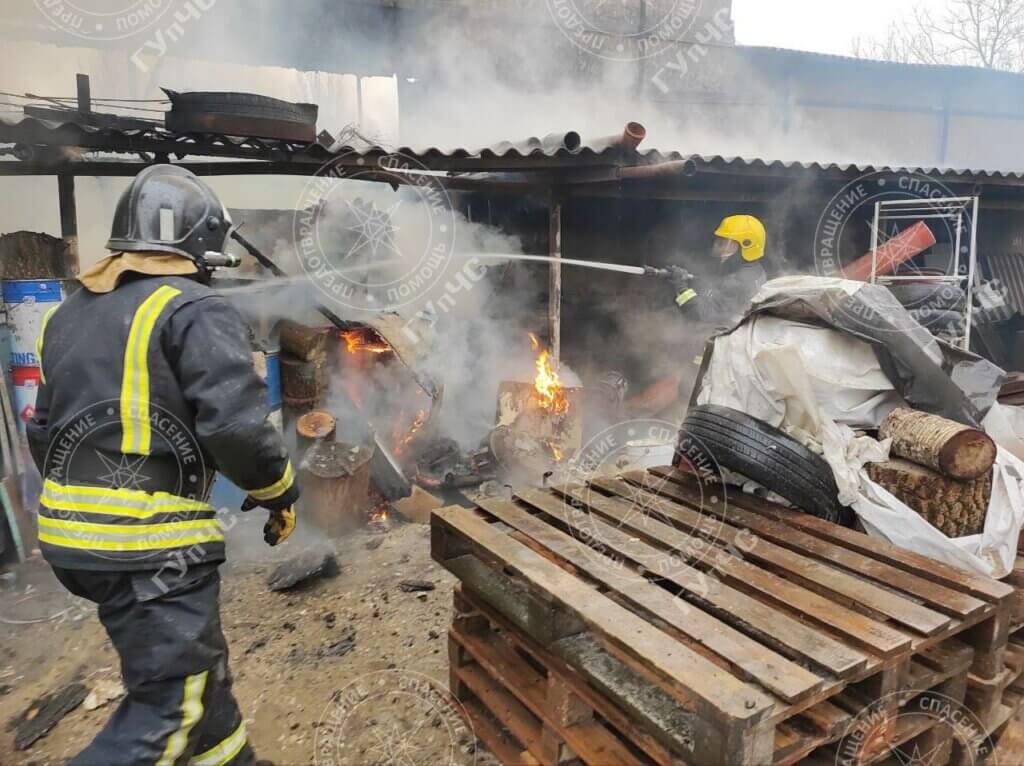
(824, 26)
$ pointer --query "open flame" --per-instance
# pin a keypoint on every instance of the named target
(548, 388)
(421, 418)
(358, 341)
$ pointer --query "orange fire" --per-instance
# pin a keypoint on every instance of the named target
(421, 418)
(357, 342)
(549, 391)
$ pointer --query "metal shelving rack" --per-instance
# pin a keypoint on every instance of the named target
(961, 215)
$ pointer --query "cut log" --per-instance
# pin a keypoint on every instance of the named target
(304, 382)
(955, 508)
(952, 449)
(302, 342)
(316, 426)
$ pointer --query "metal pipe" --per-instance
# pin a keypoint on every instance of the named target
(674, 168)
(555, 278)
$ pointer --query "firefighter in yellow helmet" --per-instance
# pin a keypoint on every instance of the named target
(722, 293)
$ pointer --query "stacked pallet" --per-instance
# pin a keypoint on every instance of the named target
(1011, 743)
(648, 619)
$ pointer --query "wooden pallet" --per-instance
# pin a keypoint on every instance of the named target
(739, 625)
(491, 660)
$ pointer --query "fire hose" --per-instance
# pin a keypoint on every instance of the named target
(638, 271)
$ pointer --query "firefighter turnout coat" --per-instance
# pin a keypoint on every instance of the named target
(146, 392)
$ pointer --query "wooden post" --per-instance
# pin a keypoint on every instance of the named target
(68, 220)
(84, 93)
(555, 281)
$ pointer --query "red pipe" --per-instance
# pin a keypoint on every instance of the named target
(898, 250)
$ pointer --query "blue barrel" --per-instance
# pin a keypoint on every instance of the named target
(274, 391)
(27, 301)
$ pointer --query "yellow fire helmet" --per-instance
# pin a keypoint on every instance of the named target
(749, 232)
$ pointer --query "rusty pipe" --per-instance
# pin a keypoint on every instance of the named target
(671, 169)
(629, 139)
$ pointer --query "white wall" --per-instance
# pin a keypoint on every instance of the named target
(31, 203)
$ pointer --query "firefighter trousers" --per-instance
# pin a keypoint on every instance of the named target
(174, 661)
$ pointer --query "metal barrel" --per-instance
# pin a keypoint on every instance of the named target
(26, 302)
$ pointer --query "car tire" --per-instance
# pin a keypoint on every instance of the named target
(934, 297)
(767, 456)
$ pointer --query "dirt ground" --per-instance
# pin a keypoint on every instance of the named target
(307, 697)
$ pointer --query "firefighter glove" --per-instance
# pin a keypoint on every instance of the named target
(682, 284)
(279, 526)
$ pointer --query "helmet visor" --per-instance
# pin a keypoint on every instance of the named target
(725, 248)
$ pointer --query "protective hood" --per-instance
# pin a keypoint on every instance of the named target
(105, 275)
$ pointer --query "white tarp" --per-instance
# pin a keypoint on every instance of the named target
(819, 385)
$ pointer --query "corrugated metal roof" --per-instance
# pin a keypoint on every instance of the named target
(563, 150)
(949, 69)
(756, 165)
(533, 152)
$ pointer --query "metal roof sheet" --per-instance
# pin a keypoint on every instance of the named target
(535, 151)
(554, 151)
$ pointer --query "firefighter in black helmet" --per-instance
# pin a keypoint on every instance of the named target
(148, 388)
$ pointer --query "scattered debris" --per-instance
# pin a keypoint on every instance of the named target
(319, 561)
(342, 647)
(103, 693)
(418, 506)
(374, 544)
(45, 713)
(416, 586)
(259, 643)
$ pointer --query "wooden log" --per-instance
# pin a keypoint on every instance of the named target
(302, 342)
(955, 508)
(28, 255)
(335, 480)
(316, 426)
(303, 381)
(952, 449)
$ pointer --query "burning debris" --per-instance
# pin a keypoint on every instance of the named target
(539, 423)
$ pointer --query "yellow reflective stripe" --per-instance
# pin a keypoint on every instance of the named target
(686, 296)
(225, 752)
(191, 714)
(209, 526)
(39, 342)
(134, 504)
(278, 488)
(126, 547)
(137, 437)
